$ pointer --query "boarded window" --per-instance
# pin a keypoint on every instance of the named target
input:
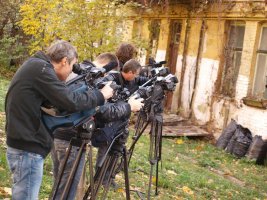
(260, 79)
(233, 53)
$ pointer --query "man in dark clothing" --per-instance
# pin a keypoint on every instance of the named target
(128, 77)
(109, 112)
(125, 52)
(38, 80)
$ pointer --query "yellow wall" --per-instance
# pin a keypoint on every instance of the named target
(214, 39)
(163, 36)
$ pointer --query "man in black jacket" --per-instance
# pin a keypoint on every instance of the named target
(40, 79)
(128, 77)
(109, 112)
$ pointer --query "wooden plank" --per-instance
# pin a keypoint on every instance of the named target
(184, 131)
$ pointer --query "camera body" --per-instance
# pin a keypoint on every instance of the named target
(87, 74)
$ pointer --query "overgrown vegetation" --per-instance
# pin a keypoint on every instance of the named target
(92, 26)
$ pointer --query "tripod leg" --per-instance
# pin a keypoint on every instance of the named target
(60, 174)
(126, 175)
(112, 167)
(139, 134)
(90, 156)
(139, 124)
(98, 179)
(73, 172)
(159, 148)
(155, 149)
(151, 155)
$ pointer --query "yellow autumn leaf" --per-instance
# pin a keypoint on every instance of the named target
(187, 190)
(153, 180)
(179, 141)
(120, 190)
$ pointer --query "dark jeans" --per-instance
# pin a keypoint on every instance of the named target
(58, 153)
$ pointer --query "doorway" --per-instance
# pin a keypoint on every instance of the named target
(173, 48)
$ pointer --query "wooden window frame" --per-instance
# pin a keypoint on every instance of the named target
(253, 100)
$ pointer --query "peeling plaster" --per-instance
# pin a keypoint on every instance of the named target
(205, 87)
(161, 55)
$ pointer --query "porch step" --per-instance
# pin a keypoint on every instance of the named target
(172, 119)
(176, 126)
(184, 130)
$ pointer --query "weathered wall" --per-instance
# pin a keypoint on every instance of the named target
(163, 38)
(253, 118)
(208, 105)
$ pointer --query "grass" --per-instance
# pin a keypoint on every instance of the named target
(3, 89)
(190, 169)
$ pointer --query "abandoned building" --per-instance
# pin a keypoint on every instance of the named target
(218, 51)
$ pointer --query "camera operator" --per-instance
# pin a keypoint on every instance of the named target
(38, 80)
(125, 52)
(111, 111)
(128, 77)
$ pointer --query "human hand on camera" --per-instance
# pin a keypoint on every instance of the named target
(136, 104)
(107, 91)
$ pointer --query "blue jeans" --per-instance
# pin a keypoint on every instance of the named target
(27, 172)
(58, 153)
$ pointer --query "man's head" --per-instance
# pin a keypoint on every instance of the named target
(105, 58)
(130, 70)
(126, 52)
(62, 55)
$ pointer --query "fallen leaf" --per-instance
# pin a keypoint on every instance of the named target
(153, 179)
(179, 141)
(187, 190)
(171, 172)
(120, 190)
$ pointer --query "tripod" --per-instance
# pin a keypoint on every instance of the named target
(151, 114)
(106, 168)
(84, 132)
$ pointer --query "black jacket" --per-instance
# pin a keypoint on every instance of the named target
(110, 112)
(34, 83)
(132, 86)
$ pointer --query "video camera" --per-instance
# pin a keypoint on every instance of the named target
(154, 69)
(120, 93)
(153, 91)
(87, 74)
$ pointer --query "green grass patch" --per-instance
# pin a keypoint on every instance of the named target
(193, 169)
(3, 90)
